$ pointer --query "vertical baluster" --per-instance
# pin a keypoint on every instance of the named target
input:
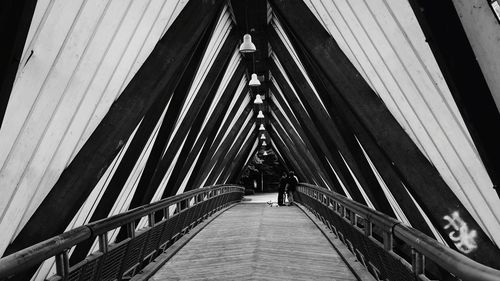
(131, 229)
(352, 217)
(62, 264)
(417, 262)
(388, 240)
(368, 227)
(151, 219)
(166, 212)
(103, 243)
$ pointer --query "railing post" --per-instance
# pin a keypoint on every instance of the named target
(62, 264)
(368, 227)
(388, 241)
(151, 219)
(103, 242)
(131, 229)
(166, 212)
(417, 262)
(352, 217)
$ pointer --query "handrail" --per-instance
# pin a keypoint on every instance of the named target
(317, 198)
(218, 196)
(33, 255)
(453, 261)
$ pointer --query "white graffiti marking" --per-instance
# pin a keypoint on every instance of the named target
(463, 239)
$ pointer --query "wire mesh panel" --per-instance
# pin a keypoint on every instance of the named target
(134, 251)
(388, 249)
(116, 261)
(112, 261)
(154, 239)
(87, 269)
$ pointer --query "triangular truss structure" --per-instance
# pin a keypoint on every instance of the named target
(110, 105)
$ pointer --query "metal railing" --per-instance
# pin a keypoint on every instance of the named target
(389, 249)
(168, 220)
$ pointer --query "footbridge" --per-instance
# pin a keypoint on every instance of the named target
(136, 137)
(212, 234)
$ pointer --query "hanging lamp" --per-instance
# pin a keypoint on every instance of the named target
(261, 128)
(263, 137)
(260, 115)
(254, 82)
(258, 99)
(247, 46)
(265, 153)
(264, 143)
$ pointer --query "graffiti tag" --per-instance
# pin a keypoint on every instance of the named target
(463, 238)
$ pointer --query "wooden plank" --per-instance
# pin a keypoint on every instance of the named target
(235, 166)
(209, 131)
(211, 160)
(294, 158)
(165, 64)
(330, 151)
(140, 139)
(256, 242)
(179, 97)
(449, 44)
(210, 145)
(343, 140)
(297, 147)
(337, 106)
(15, 22)
(223, 160)
(421, 177)
(302, 140)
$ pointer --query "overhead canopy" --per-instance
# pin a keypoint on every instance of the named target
(116, 104)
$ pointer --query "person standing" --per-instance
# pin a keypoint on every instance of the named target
(292, 181)
(281, 189)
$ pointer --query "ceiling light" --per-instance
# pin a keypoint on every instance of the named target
(258, 99)
(254, 82)
(247, 46)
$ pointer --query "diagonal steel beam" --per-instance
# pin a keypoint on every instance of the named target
(421, 177)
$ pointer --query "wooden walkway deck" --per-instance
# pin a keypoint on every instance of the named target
(257, 242)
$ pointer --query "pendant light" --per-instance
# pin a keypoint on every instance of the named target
(254, 82)
(264, 143)
(258, 99)
(263, 137)
(265, 153)
(261, 128)
(260, 115)
(247, 46)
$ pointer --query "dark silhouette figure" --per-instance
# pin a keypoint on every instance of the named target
(281, 190)
(291, 186)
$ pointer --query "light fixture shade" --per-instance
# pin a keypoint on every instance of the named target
(263, 137)
(265, 153)
(247, 46)
(257, 100)
(254, 82)
(260, 115)
(264, 143)
(261, 128)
